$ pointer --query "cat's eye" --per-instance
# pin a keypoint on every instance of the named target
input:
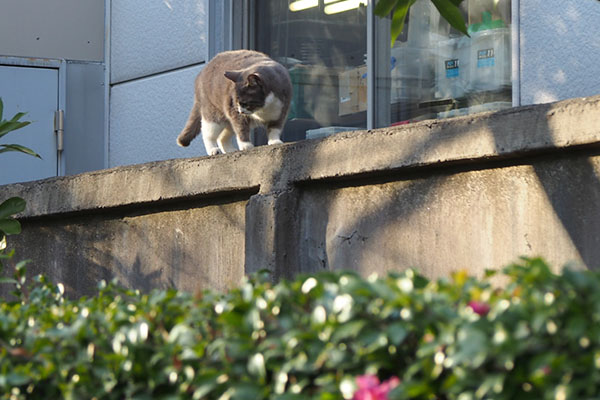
(248, 106)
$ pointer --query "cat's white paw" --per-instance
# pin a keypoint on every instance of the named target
(214, 152)
(245, 145)
(275, 141)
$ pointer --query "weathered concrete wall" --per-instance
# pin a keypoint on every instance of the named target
(141, 249)
(445, 221)
(473, 192)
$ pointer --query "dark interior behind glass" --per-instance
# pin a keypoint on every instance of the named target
(317, 48)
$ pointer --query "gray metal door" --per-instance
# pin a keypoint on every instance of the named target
(34, 91)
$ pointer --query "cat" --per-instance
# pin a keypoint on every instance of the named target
(235, 92)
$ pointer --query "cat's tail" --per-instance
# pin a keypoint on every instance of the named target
(192, 126)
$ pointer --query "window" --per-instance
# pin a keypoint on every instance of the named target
(324, 50)
(431, 72)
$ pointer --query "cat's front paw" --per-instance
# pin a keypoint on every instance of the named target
(214, 152)
(275, 141)
(245, 145)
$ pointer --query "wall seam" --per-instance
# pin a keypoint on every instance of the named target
(167, 71)
(516, 58)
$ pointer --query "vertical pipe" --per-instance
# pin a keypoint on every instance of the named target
(516, 52)
(230, 22)
(212, 28)
(378, 69)
(107, 65)
(371, 92)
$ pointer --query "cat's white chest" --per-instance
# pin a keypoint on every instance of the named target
(271, 111)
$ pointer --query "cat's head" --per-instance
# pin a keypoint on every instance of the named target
(249, 91)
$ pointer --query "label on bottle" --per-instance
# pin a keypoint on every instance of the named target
(452, 68)
(485, 58)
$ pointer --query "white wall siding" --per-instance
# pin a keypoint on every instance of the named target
(146, 115)
(152, 36)
(560, 49)
(157, 47)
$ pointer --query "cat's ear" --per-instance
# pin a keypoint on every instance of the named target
(254, 79)
(232, 75)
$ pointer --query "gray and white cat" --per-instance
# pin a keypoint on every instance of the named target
(235, 92)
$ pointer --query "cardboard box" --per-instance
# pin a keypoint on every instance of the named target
(353, 90)
(348, 98)
(362, 88)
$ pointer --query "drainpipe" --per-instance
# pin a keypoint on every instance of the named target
(516, 52)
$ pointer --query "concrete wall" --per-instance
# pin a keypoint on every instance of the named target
(559, 49)
(157, 48)
(473, 192)
(64, 29)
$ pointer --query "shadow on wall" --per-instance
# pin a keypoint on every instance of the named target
(573, 190)
(188, 246)
(452, 217)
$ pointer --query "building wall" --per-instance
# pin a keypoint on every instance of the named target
(69, 36)
(158, 47)
(156, 50)
(559, 49)
(66, 29)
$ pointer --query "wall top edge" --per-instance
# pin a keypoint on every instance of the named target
(474, 139)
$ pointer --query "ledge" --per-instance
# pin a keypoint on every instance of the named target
(509, 134)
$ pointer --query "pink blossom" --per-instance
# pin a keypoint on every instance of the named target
(479, 307)
(546, 370)
(369, 387)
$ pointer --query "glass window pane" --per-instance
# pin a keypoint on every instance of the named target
(436, 72)
(323, 44)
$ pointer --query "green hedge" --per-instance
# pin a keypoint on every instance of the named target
(456, 338)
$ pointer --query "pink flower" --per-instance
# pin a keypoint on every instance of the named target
(479, 307)
(369, 387)
(546, 370)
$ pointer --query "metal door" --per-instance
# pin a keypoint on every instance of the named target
(35, 91)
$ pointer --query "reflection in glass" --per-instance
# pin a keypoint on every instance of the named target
(431, 72)
(323, 45)
(436, 72)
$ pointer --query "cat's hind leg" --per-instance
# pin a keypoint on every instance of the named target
(225, 141)
(210, 135)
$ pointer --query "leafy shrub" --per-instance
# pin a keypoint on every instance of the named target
(458, 338)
